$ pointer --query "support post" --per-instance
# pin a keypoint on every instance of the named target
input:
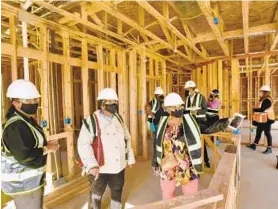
(235, 86)
(113, 74)
(164, 75)
(85, 79)
(133, 100)
(143, 101)
(220, 84)
(100, 80)
(12, 27)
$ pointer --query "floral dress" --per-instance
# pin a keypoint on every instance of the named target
(174, 142)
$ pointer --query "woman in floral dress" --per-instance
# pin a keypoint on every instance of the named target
(177, 157)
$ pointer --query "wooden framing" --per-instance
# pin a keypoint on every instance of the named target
(245, 17)
(13, 49)
(235, 86)
(206, 9)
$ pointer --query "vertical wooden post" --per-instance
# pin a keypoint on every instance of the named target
(121, 87)
(151, 81)
(163, 75)
(85, 79)
(12, 27)
(133, 99)
(198, 80)
(204, 80)
(220, 84)
(100, 71)
(214, 76)
(68, 105)
(143, 101)
(113, 74)
(235, 86)
(156, 73)
(267, 71)
(226, 92)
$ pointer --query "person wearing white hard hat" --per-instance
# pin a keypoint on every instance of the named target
(24, 148)
(177, 158)
(263, 118)
(196, 104)
(108, 125)
(154, 108)
(155, 111)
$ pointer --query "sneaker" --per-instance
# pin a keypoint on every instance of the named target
(252, 146)
(268, 150)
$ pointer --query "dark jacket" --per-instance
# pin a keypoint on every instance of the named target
(20, 141)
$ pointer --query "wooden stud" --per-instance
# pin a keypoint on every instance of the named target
(267, 71)
(143, 90)
(85, 79)
(164, 76)
(235, 86)
(12, 27)
(133, 100)
(100, 72)
(113, 64)
(220, 83)
(245, 17)
(204, 81)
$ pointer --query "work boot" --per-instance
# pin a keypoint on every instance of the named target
(268, 150)
(252, 146)
(277, 162)
(207, 164)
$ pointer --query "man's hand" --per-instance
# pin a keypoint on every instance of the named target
(95, 172)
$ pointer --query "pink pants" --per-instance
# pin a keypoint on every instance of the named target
(169, 187)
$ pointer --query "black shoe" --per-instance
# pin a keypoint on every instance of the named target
(268, 150)
(207, 165)
(252, 146)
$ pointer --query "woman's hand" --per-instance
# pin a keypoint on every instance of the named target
(52, 145)
(95, 172)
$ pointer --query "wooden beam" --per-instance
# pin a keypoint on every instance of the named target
(206, 9)
(84, 22)
(245, 20)
(85, 79)
(164, 28)
(97, 20)
(164, 86)
(235, 86)
(234, 34)
(267, 71)
(143, 90)
(119, 26)
(100, 72)
(220, 83)
(274, 43)
(133, 100)
(172, 28)
(13, 37)
(112, 74)
(141, 21)
(135, 25)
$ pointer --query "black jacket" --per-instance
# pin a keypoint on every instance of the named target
(20, 141)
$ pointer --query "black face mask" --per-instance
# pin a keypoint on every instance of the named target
(177, 113)
(161, 98)
(186, 93)
(30, 109)
(111, 108)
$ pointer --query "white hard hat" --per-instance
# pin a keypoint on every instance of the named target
(158, 90)
(189, 84)
(265, 88)
(107, 94)
(173, 99)
(196, 90)
(22, 89)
